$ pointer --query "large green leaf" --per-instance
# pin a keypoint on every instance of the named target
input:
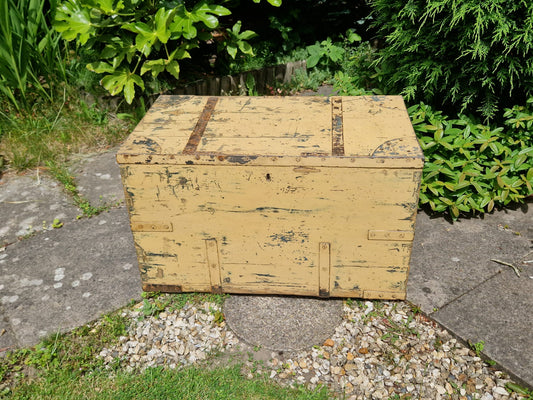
(161, 23)
(108, 6)
(148, 35)
(145, 38)
(183, 24)
(205, 12)
(100, 67)
(122, 80)
(180, 53)
(245, 48)
(529, 175)
(129, 88)
(315, 54)
(74, 21)
(155, 66)
(173, 68)
(232, 50)
(237, 40)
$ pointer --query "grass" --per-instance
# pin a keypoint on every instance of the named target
(157, 383)
(61, 173)
(50, 132)
(155, 302)
(46, 135)
(65, 366)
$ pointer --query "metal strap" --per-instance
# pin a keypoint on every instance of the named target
(337, 130)
(198, 131)
(324, 268)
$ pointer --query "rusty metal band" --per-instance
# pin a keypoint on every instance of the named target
(198, 131)
(337, 130)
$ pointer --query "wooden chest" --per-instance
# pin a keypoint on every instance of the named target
(302, 195)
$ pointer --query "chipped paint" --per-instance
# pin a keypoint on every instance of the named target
(289, 236)
(149, 145)
(240, 159)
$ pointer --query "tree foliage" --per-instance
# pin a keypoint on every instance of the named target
(474, 55)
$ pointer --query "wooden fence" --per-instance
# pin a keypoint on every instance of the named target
(240, 84)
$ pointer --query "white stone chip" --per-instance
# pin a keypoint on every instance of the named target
(9, 299)
(59, 274)
(86, 276)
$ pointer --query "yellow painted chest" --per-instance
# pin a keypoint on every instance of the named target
(282, 195)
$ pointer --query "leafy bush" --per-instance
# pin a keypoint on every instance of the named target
(131, 38)
(327, 53)
(474, 55)
(31, 52)
(358, 76)
(470, 167)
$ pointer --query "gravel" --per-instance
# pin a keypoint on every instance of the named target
(380, 350)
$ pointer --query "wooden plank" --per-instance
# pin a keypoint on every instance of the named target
(356, 278)
(249, 274)
(307, 106)
(311, 159)
(165, 260)
(253, 147)
(270, 290)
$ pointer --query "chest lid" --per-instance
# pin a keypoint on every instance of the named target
(361, 131)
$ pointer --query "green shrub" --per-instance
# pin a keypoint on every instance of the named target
(131, 38)
(474, 55)
(358, 75)
(472, 168)
(329, 54)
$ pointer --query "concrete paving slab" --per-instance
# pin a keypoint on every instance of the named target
(98, 178)
(27, 202)
(282, 323)
(66, 277)
(7, 337)
(449, 260)
(498, 312)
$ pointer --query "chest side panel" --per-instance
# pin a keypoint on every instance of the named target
(268, 223)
